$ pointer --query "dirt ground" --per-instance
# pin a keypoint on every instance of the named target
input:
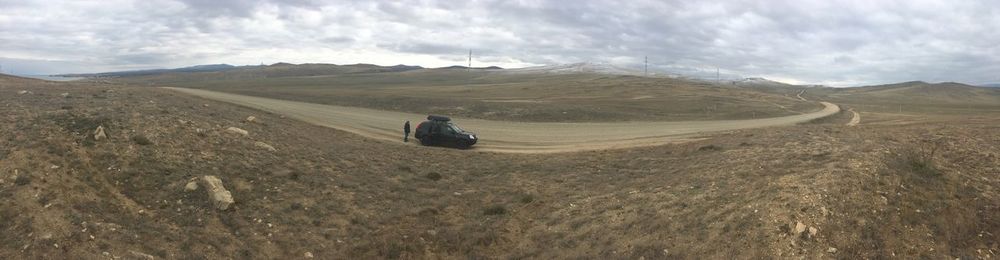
(506, 97)
(505, 136)
(913, 189)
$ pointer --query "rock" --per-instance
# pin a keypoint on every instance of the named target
(265, 146)
(813, 231)
(65, 95)
(308, 255)
(139, 255)
(237, 131)
(191, 186)
(217, 193)
(99, 133)
(23, 92)
(831, 250)
(799, 228)
(20, 178)
(251, 119)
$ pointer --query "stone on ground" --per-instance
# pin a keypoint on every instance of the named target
(99, 133)
(265, 146)
(220, 197)
(799, 228)
(236, 130)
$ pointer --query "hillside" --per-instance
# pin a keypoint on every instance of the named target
(813, 191)
(922, 92)
(228, 72)
(501, 95)
(577, 68)
(137, 73)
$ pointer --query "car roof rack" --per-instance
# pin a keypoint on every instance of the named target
(438, 118)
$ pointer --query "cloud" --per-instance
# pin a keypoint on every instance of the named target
(843, 42)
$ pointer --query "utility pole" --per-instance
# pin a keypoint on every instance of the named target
(718, 78)
(470, 60)
(645, 66)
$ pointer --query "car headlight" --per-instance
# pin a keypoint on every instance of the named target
(472, 137)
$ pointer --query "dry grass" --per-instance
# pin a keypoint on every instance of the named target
(339, 196)
(497, 96)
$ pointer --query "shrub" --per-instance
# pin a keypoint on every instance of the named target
(141, 139)
(495, 210)
(433, 176)
(22, 179)
(527, 198)
(917, 159)
(710, 147)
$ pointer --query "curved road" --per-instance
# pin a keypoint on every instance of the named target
(505, 136)
(855, 119)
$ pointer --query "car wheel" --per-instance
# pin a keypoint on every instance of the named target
(425, 141)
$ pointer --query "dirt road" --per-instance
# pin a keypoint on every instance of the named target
(855, 119)
(799, 95)
(504, 136)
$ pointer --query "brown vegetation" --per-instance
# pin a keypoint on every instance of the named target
(923, 189)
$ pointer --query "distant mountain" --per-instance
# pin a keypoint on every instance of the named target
(7, 78)
(923, 92)
(281, 69)
(132, 73)
(475, 68)
(990, 85)
(582, 67)
(203, 68)
(757, 82)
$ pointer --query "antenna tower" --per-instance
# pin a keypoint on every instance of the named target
(645, 66)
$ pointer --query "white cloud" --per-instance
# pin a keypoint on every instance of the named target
(838, 42)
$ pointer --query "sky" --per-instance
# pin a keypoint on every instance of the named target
(837, 43)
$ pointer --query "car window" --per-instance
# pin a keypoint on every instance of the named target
(455, 128)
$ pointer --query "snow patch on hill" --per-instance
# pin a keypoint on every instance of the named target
(581, 67)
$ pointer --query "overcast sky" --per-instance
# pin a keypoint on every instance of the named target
(841, 43)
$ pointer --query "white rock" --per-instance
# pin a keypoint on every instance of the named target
(831, 250)
(22, 92)
(191, 186)
(813, 231)
(799, 228)
(237, 131)
(65, 95)
(99, 133)
(265, 146)
(220, 197)
(140, 255)
(251, 119)
(308, 255)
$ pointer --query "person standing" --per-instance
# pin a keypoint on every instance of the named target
(406, 131)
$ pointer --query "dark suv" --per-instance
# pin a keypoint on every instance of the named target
(439, 130)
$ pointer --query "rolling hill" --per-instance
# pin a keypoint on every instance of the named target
(919, 92)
